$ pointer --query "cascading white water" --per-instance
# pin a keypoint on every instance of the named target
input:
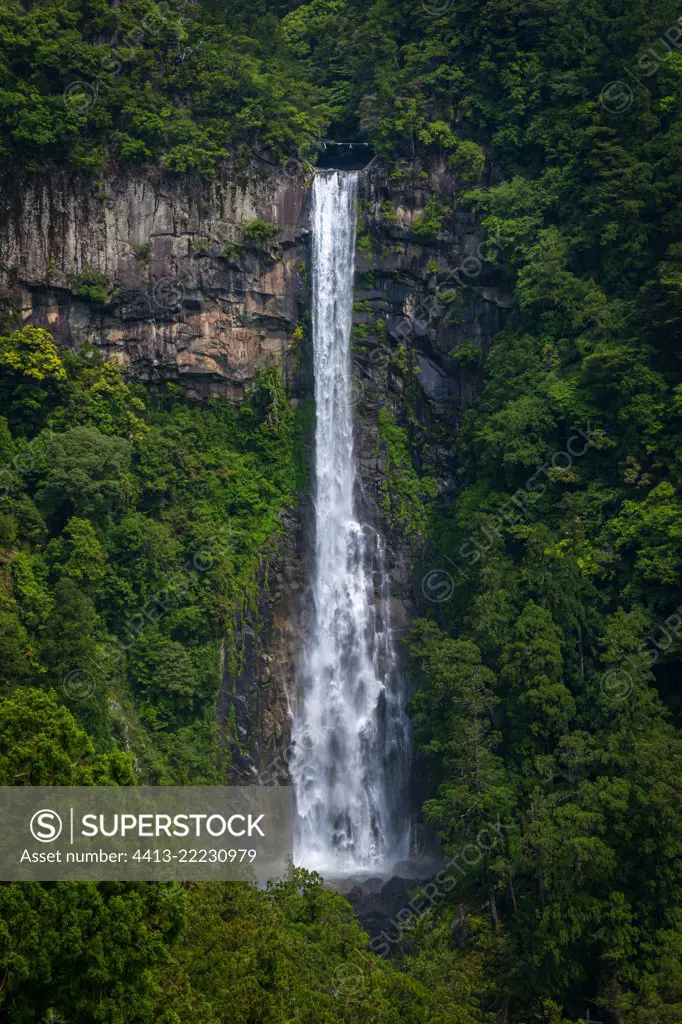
(349, 762)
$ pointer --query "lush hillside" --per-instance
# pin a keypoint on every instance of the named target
(132, 534)
(548, 690)
(547, 653)
(182, 83)
(132, 531)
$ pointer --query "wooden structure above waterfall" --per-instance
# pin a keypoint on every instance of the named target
(344, 155)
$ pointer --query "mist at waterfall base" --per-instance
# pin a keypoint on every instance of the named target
(349, 765)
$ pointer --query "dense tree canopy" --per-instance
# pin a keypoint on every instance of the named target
(132, 536)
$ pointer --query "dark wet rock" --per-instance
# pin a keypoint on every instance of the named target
(437, 385)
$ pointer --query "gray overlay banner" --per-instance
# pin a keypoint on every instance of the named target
(145, 833)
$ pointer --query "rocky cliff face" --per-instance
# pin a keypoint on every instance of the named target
(428, 303)
(433, 288)
(433, 274)
(178, 279)
(203, 283)
(174, 278)
(254, 705)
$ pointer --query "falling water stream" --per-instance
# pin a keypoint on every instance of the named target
(349, 761)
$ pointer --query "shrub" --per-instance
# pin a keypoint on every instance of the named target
(432, 221)
(94, 286)
(260, 231)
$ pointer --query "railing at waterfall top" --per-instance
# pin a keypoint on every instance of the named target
(335, 142)
(343, 155)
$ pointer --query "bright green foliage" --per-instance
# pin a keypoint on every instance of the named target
(468, 160)
(433, 219)
(132, 544)
(30, 352)
(94, 286)
(187, 84)
(41, 744)
(96, 394)
(295, 952)
(260, 231)
(653, 528)
(403, 491)
(30, 373)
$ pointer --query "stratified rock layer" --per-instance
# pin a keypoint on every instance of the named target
(183, 289)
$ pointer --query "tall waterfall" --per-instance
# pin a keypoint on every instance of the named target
(349, 763)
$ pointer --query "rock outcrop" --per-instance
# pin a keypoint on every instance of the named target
(203, 282)
(176, 278)
(434, 287)
(255, 700)
(428, 303)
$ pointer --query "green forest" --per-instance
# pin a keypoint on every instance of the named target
(545, 653)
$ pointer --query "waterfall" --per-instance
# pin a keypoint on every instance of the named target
(349, 761)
